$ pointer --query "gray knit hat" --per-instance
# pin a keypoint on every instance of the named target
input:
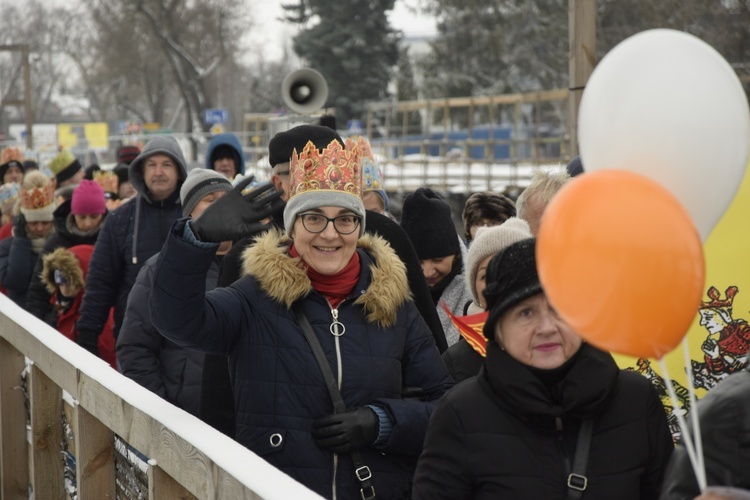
(490, 240)
(198, 184)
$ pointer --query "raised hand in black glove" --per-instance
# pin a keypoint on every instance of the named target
(235, 216)
(344, 432)
(19, 226)
(89, 341)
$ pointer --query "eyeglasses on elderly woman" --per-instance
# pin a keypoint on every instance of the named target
(317, 223)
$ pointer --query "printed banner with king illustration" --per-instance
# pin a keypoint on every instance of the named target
(719, 336)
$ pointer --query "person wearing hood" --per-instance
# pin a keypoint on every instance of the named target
(64, 275)
(77, 222)
(159, 365)
(132, 233)
(31, 230)
(225, 156)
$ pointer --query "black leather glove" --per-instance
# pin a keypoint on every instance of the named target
(19, 226)
(344, 432)
(89, 341)
(235, 216)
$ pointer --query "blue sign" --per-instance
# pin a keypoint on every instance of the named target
(215, 115)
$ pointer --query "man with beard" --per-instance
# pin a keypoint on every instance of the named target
(31, 230)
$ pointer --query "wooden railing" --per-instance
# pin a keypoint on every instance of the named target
(187, 458)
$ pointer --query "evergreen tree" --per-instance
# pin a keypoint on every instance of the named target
(352, 45)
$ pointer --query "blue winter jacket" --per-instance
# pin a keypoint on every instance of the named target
(278, 387)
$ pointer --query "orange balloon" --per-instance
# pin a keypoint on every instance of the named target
(621, 261)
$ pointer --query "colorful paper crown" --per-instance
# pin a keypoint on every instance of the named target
(60, 162)
(9, 154)
(715, 296)
(38, 197)
(333, 169)
(372, 176)
(108, 180)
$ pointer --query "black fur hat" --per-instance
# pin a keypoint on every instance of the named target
(282, 145)
(511, 277)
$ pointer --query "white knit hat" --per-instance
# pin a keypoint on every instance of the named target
(490, 240)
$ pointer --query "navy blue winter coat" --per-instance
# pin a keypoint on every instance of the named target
(278, 387)
(131, 234)
(159, 365)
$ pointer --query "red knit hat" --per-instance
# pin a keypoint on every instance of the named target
(88, 199)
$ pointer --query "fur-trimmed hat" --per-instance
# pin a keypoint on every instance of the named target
(426, 218)
(490, 240)
(64, 166)
(37, 195)
(198, 184)
(283, 144)
(511, 277)
(328, 178)
(486, 209)
(73, 264)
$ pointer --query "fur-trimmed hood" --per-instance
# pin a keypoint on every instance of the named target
(73, 262)
(285, 279)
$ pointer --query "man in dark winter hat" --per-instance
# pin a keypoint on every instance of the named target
(484, 210)
(426, 218)
(133, 233)
(225, 155)
(127, 153)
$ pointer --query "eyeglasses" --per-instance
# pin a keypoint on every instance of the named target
(317, 223)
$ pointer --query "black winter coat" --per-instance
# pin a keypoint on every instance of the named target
(38, 298)
(159, 365)
(462, 360)
(278, 387)
(501, 434)
(131, 234)
(724, 415)
(17, 262)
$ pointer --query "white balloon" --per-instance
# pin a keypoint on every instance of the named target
(667, 105)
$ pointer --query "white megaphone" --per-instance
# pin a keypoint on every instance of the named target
(304, 91)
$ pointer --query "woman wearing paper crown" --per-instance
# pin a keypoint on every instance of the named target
(353, 291)
(374, 196)
(77, 222)
(548, 416)
(31, 230)
(11, 165)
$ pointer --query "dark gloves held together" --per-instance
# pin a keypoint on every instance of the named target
(89, 341)
(344, 432)
(235, 216)
(19, 226)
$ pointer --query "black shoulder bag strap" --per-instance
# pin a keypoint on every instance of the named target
(577, 481)
(362, 471)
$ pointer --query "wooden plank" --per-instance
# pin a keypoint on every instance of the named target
(581, 59)
(14, 465)
(95, 462)
(46, 436)
(162, 485)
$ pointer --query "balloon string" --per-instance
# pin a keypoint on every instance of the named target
(686, 439)
(694, 414)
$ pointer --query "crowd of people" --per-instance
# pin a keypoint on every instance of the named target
(304, 320)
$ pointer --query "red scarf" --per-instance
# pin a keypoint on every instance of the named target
(334, 287)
